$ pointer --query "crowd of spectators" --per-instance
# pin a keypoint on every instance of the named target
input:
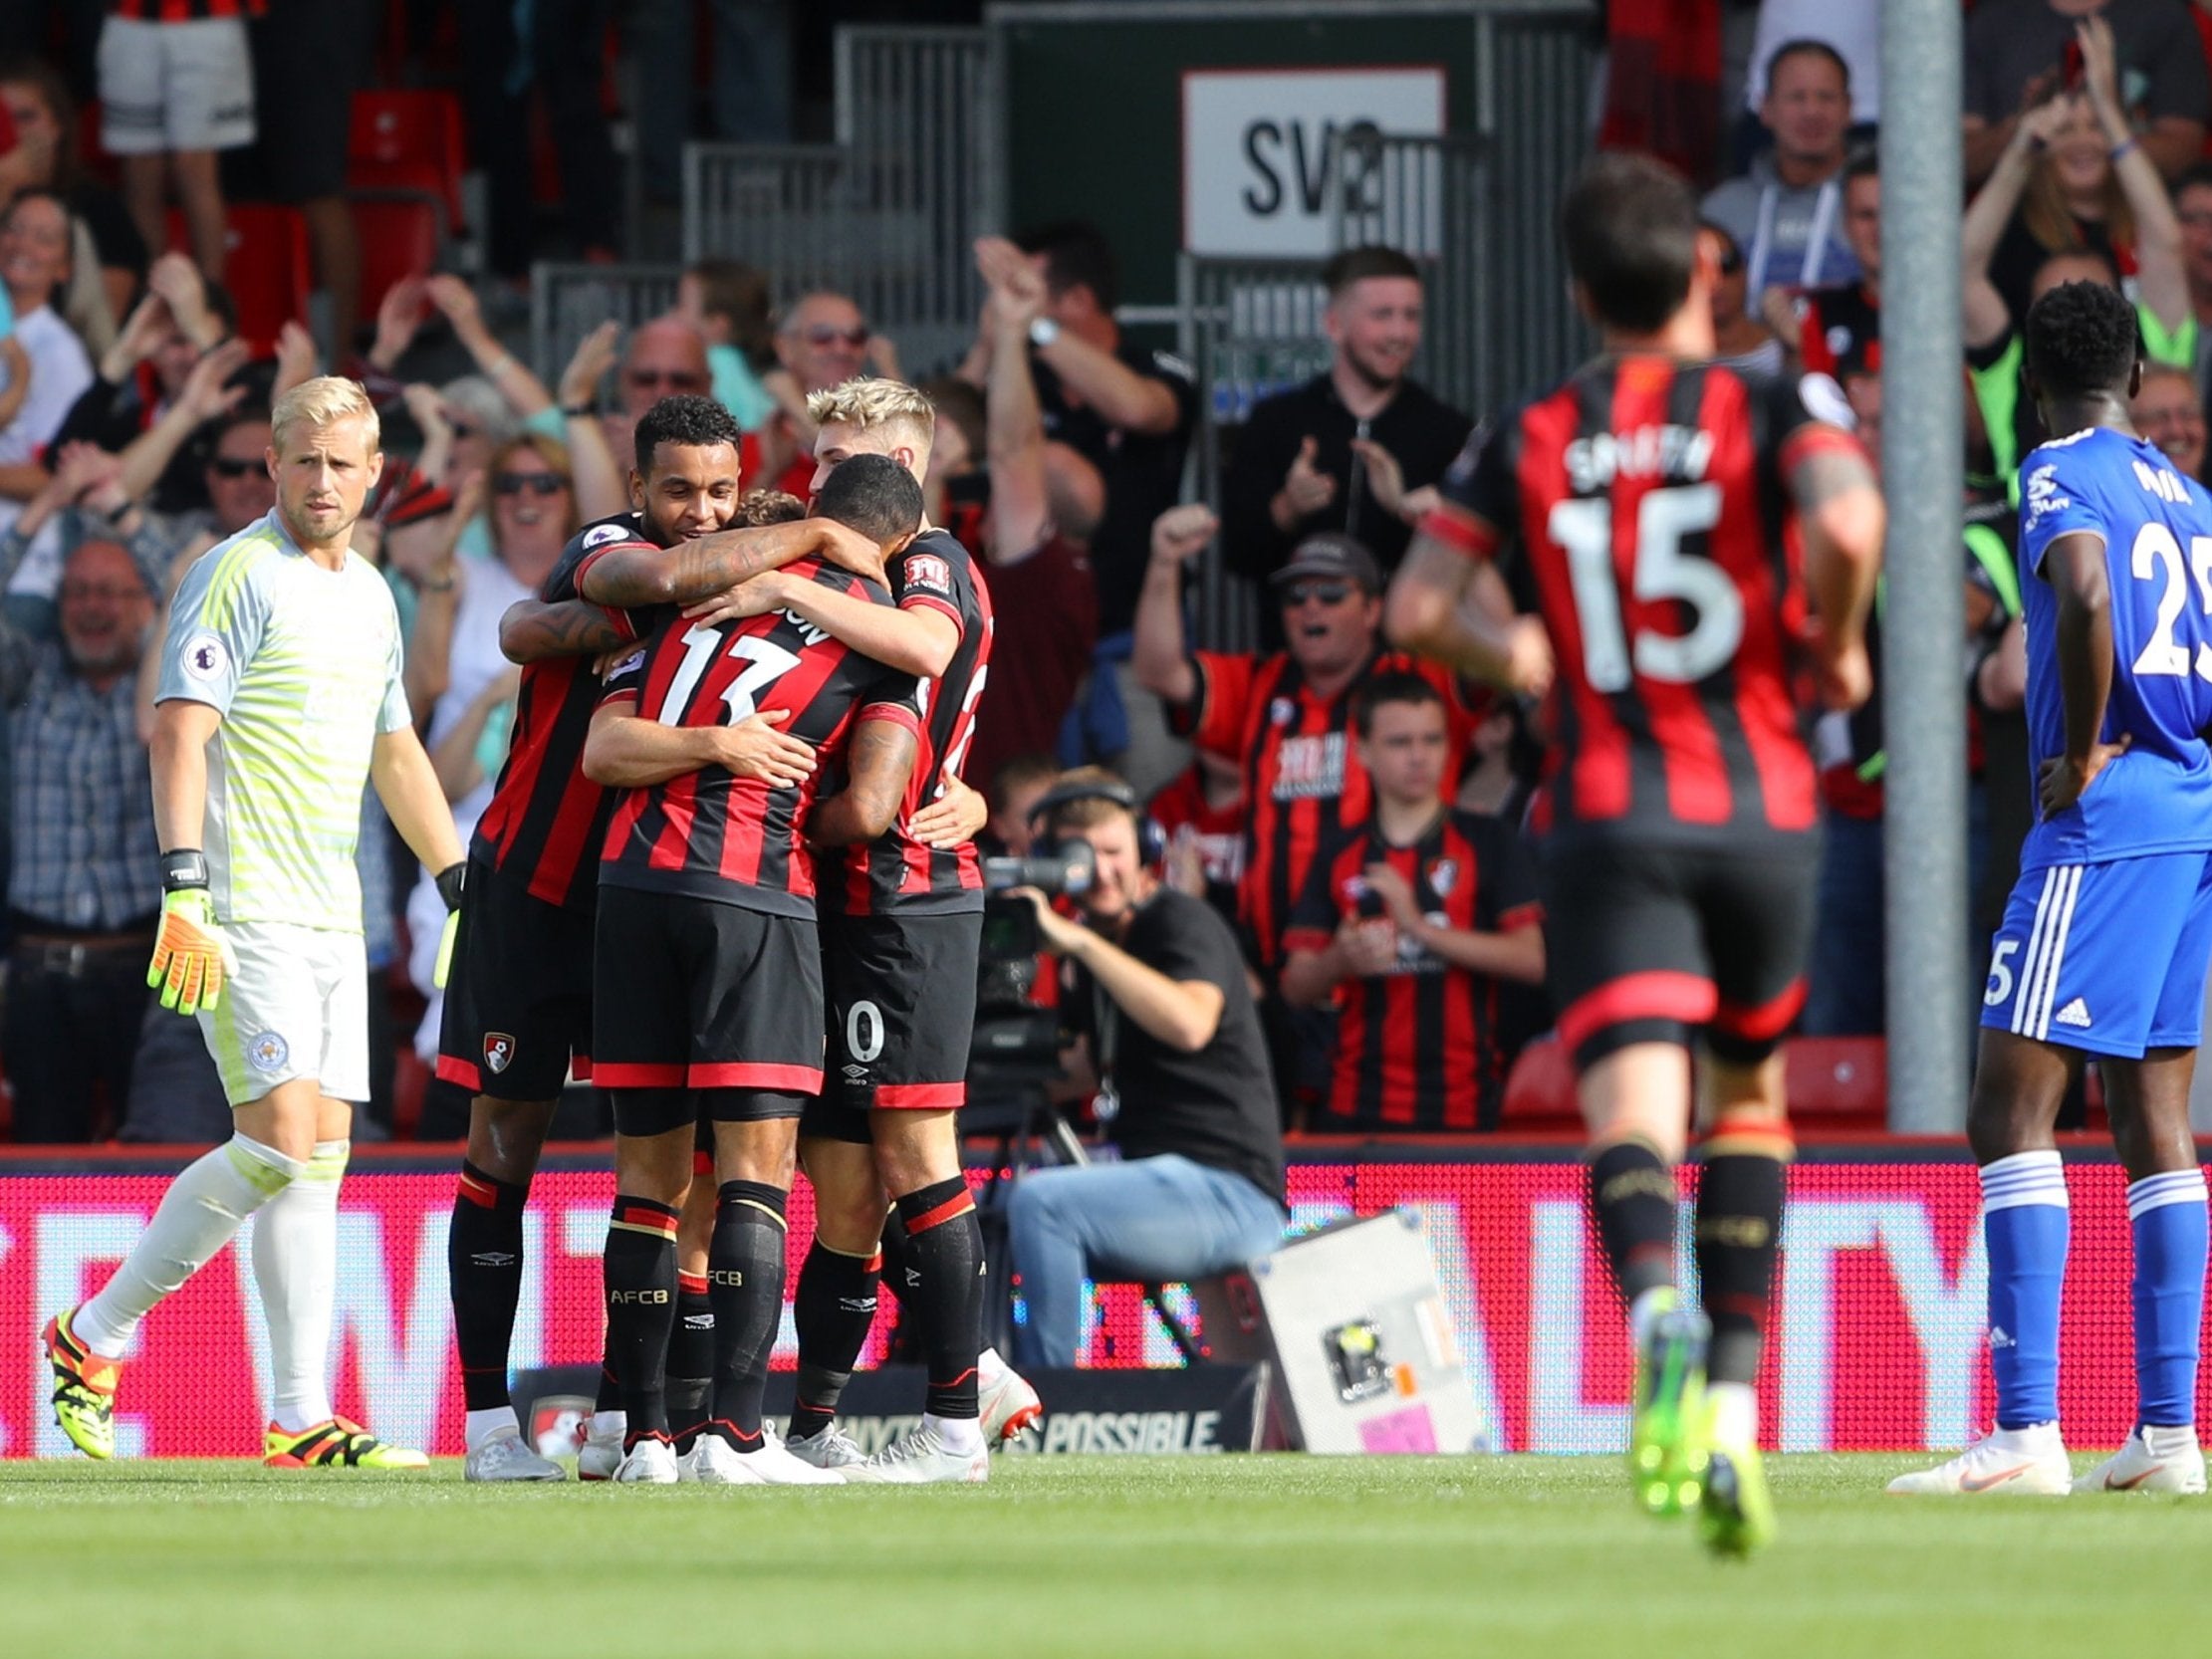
(1355, 813)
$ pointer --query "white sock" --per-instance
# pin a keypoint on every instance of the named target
(199, 1214)
(495, 1424)
(295, 1261)
(607, 1425)
(1735, 1413)
(961, 1435)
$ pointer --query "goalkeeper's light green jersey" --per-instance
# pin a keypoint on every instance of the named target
(302, 663)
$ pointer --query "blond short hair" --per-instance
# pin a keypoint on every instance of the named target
(867, 405)
(324, 401)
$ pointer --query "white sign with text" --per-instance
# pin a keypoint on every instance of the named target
(1255, 155)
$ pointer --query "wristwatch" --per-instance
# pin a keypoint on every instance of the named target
(1043, 330)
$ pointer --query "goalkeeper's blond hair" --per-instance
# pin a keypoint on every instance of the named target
(869, 405)
(324, 401)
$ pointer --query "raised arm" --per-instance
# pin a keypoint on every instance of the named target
(204, 395)
(2162, 280)
(531, 630)
(1021, 502)
(524, 392)
(879, 762)
(630, 578)
(1160, 656)
(1991, 210)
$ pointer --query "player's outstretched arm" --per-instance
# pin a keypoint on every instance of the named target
(408, 785)
(921, 641)
(533, 630)
(1430, 611)
(1842, 517)
(879, 762)
(630, 576)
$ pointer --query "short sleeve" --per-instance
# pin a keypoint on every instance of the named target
(1178, 935)
(2054, 501)
(626, 679)
(216, 627)
(1508, 885)
(1315, 916)
(397, 713)
(1474, 510)
(1214, 719)
(928, 581)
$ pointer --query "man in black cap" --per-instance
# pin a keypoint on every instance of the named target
(1286, 720)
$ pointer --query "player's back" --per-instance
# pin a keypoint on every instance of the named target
(710, 832)
(2156, 529)
(1647, 502)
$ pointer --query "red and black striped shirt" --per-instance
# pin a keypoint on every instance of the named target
(1303, 781)
(1646, 504)
(1419, 1047)
(898, 873)
(546, 819)
(715, 835)
(185, 11)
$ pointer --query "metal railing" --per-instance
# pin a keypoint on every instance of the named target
(569, 301)
(788, 210)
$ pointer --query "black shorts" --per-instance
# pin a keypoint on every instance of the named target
(901, 994)
(518, 1006)
(703, 1010)
(1651, 941)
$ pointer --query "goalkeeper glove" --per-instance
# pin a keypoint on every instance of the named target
(190, 954)
(450, 881)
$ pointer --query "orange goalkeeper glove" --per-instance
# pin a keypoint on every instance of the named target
(190, 955)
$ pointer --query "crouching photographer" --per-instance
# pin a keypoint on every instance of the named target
(1184, 1091)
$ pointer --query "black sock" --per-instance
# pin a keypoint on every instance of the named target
(944, 1247)
(610, 1396)
(1739, 1227)
(483, 1263)
(745, 1276)
(640, 1269)
(834, 1308)
(1633, 1199)
(690, 1360)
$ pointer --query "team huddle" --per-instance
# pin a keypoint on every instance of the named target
(727, 874)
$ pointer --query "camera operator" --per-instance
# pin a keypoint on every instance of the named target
(1183, 1086)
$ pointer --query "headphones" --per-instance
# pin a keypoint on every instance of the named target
(1152, 839)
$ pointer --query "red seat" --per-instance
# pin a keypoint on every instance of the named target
(265, 268)
(1540, 1091)
(398, 237)
(407, 143)
(1838, 1082)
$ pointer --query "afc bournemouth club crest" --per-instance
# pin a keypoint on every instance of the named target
(499, 1051)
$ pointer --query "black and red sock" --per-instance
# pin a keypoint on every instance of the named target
(690, 1358)
(745, 1277)
(832, 1310)
(1632, 1201)
(944, 1257)
(640, 1271)
(483, 1264)
(1738, 1233)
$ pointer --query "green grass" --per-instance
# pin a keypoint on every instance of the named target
(1386, 1559)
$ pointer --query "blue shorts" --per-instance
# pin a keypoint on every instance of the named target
(2110, 958)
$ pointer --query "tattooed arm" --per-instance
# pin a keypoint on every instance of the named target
(630, 576)
(533, 630)
(879, 762)
(1841, 513)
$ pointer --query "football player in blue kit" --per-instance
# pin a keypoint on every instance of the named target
(2104, 943)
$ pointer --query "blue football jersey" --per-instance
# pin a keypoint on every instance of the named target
(2156, 526)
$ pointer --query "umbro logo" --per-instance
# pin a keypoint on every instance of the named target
(698, 1321)
(913, 1277)
(495, 1258)
(858, 1304)
(2000, 1338)
(856, 1074)
(2074, 1014)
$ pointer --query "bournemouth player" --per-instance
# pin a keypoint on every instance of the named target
(708, 974)
(517, 1011)
(280, 694)
(2104, 943)
(1411, 924)
(902, 930)
(1648, 512)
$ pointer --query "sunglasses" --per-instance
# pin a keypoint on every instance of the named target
(224, 466)
(463, 429)
(676, 379)
(537, 483)
(824, 334)
(1329, 592)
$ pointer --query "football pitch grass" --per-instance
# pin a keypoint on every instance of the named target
(1137, 1556)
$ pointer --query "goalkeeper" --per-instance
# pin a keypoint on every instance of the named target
(280, 691)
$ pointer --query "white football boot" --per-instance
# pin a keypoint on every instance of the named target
(2028, 1461)
(921, 1458)
(833, 1448)
(651, 1462)
(1008, 1403)
(715, 1461)
(2153, 1460)
(504, 1457)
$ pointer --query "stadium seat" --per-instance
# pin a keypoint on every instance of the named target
(1539, 1092)
(266, 268)
(399, 238)
(1838, 1082)
(406, 144)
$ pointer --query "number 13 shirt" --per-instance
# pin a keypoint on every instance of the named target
(1643, 511)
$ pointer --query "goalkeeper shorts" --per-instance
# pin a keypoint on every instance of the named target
(297, 1006)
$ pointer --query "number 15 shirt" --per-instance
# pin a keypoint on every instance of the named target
(1645, 507)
